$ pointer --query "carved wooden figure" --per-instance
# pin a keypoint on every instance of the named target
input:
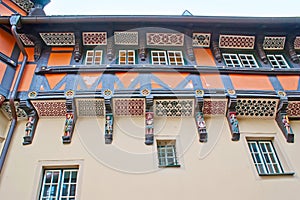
(27, 139)
(109, 121)
(286, 128)
(69, 124)
(201, 126)
(234, 126)
(149, 122)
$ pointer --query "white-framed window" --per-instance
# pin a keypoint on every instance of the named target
(167, 58)
(126, 57)
(278, 61)
(240, 60)
(59, 184)
(166, 150)
(264, 157)
(93, 57)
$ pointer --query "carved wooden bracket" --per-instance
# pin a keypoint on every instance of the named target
(149, 122)
(110, 49)
(261, 52)
(70, 122)
(109, 121)
(291, 49)
(199, 118)
(38, 46)
(283, 120)
(217, 52)
(32, 121)
(78, 47)
(232, 120)
(142, 53)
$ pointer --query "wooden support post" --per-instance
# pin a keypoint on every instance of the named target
(199, 118)
(109, 121)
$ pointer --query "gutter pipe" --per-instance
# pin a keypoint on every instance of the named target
(15, 22)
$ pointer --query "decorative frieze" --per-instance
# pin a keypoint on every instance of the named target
(293, 109)
(174, 108)
(126, 38)
(54, 108)
(94, 38)
(59, 39)
(201, 39)
(24, 4)
(129, 107)
(165, 39)
(236, 41)
(5, 108)
(274, 43)
(26, 41)
(90, 107)
(215, 106)
(297, 43)
(260, 108)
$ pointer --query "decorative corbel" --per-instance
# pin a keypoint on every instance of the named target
(38, 46)
(78, 47)
(110, 49)
(189, 49)
(217, 52)
(261, 52)
(71, 118)
(109, 121)
(149, 122)
(199, 118)
(231, 116)
(2, 99)
(282, 118)
(142, 46)
(31, 123)
(291, 49)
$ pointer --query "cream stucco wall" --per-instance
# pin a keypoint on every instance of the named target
(4, 124)
(127, 169)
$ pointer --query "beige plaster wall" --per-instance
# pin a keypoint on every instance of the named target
(4, 124)
(127, 169)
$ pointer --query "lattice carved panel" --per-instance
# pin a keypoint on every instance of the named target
(94, 38)
(24, 4)
(59, 39)
(174, 108)
(26, 41)
(236, 41)
(6, 110)
(165, 39)
(129, 107)
(50, 108)
(126, 38)
(274, 43)
(260, 108)
(297, 43)
(293, 109)
(90, 107)
(201, 39)
(215, 106)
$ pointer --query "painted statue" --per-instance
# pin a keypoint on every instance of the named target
(201, 123)
(149, 123)
(234, 123)
(29, 126)
(286, 123)
(68, 124)
(109, 124)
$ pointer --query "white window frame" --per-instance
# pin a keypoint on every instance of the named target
(240, 60)
(161, 57)
(166, 152)
(60, 184)
(127, 57)
(175, 58)
(264, 157)
(277, 61)
(94, 58)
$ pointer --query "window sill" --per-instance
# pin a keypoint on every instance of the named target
(167, 166)
(279, 174)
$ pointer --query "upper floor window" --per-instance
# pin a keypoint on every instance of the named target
(264, 157)
(93, 57)
(59, 184)
(240, 60)
(126, 57)
(278, 61)
(167, 58)
(167, 153)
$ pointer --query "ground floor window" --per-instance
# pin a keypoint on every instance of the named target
(166, 150)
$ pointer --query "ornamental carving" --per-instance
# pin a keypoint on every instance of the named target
(236, 41)
(24, 4)
(214, 107)
(90, 107)
(58, 39)
(297, 43)
(94, 38)
(129, 107)
(5, 108)
(293, 109)
(26, 41)
(174, 108)
(261, 108)
(50, 108)
(126, 38)
(165, 39)
(274, 43)
(201, 39)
